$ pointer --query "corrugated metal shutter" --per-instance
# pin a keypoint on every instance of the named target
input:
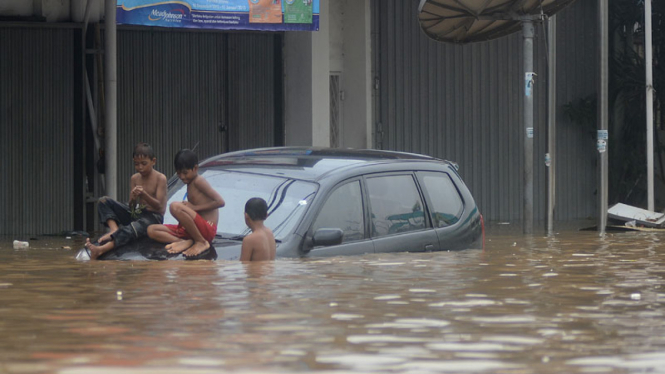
(36, 130)
(464, 103)
(171, 94)
(577, 65)
(252, 90)
(177, 89)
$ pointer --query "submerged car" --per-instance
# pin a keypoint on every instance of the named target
(330, 202)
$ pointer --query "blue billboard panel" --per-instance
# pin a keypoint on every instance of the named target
(266, 15)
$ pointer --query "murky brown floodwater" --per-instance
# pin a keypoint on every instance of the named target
(574, 303)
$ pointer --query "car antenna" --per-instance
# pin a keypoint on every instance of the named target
(195, 145)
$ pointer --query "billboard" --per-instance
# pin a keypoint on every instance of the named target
(261, 15)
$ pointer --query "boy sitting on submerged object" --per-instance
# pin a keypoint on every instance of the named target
(260, 244)
(197, 217)
(147, 205)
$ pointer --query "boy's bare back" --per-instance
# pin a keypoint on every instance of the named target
(259, 246)
(204, 199)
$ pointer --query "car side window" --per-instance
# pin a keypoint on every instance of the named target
(396, 205)
(445, 202)
(343, 210)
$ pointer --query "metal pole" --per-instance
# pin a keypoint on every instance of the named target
(550, 158)
(527, 28)
(603, 113)
(649, 78)
(111, 115)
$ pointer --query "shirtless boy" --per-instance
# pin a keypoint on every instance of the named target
(260, 244)
(147, 204)
(197, 217)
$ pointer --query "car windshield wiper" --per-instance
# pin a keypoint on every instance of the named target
(229, 237)
(220, 236)
(237, 237)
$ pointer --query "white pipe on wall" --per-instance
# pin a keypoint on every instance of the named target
(94, 8)
(53, 10)
(16, 8)
(550, 159)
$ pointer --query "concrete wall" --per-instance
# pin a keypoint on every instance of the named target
(306, 85)
(53, 10)
(341, 46)
(356, 82)
(337, 13)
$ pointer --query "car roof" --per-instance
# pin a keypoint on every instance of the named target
(307, 163)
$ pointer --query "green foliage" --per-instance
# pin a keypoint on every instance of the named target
(627, 97)
(135, 209)
(627, 83)
(583, 112)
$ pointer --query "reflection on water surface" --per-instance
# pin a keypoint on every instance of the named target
(573, 303)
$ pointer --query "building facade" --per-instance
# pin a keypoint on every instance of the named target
(368, 78)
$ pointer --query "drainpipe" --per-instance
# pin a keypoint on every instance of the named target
(86, 18)
(550, 159)
(110, 85)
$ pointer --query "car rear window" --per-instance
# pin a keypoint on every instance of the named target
(396, 205)
(287, 200)
(445, 203)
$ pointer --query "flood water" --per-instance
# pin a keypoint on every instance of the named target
(571, 303)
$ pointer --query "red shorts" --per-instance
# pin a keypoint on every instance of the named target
(207, 229)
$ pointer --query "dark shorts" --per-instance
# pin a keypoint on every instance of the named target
(129, 228)
(208, 230)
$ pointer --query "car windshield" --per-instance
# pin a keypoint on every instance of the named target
(287, 200)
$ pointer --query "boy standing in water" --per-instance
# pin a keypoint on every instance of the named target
(197, 217)
(147, 204)
(260, 244)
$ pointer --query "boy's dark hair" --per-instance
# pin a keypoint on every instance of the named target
(185, 159)
(257, 209)
(143, 150)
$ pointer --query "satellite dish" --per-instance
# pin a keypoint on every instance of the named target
(467, 21)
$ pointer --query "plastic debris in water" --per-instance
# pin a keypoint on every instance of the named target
(19, 244)
(83, 255)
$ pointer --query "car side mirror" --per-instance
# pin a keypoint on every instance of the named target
(327, 237)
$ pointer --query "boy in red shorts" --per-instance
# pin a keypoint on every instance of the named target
(197, 217)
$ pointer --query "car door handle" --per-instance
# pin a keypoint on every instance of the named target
(429, 247)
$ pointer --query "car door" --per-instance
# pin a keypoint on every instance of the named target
(344, 210)
(398, 220)
(446, 206)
